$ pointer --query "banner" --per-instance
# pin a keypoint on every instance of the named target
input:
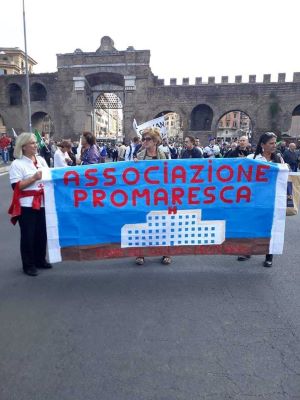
(155, 123)
(165, 207)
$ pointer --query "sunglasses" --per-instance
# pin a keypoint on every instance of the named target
(147, 139)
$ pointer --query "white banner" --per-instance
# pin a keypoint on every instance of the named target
(155, 123)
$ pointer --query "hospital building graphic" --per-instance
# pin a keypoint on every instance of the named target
(185, 228)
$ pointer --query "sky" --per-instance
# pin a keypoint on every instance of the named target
(186, 39)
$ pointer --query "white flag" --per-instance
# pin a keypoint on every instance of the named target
(14, 133)
(155, 123)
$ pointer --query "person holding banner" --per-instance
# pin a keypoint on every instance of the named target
(28, 203)
(266, 151)
(151, 140)
(90, 153)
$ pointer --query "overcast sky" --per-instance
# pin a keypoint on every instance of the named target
(186, 39)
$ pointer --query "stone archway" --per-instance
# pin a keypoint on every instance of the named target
(201, 118)
(295, 125)
(14, 95)
(43, 123)
(2, 125)
(107, 118)
(38, 92)
(233, 124)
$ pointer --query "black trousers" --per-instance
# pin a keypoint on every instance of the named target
(33, 237)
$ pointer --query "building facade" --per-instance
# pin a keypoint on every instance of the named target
(12, 61)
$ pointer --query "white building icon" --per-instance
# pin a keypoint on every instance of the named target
(181, 229)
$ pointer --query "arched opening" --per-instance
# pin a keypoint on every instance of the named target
(2, 125)
(107, 118)
(201, 118)
(233, 125)
(14, 94)
(38, 92)
(43, 123)
(295, 125)
(173, 126)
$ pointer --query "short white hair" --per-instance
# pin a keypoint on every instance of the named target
(22, 139)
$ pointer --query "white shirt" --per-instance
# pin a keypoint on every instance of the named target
(60, 159)
(212, 151)
(166, 150)
(260, 157)
(127, 152)
(24, 168)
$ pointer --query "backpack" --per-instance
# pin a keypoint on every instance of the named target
(103, 152)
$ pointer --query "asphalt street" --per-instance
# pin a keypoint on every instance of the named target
(203, 328)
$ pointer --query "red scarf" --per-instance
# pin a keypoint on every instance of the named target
(15, 207)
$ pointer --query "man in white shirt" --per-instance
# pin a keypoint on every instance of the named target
(212, 150)
(164, 147)
(61, 156)
(132, 148)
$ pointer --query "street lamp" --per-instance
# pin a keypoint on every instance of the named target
(26, 70)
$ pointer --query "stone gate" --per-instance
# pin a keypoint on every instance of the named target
(69, 95)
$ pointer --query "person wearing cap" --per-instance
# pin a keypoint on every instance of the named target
(61, 156)
(212, 150)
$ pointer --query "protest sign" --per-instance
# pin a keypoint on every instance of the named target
(193, 206)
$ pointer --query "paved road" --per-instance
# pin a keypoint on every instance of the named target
(207, 327)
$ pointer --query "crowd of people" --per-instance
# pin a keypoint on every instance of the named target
(26, 173)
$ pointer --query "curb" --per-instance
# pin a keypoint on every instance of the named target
(4, 169)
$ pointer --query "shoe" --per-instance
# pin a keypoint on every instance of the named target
(45, 265)
(267, 264)
(140, 261)
(243, 258)
(166, 260)
(31, 272)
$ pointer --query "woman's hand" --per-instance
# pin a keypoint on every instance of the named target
(37, 176)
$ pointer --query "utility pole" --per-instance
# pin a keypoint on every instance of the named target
(27, 75)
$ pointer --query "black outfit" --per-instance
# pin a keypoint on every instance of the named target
(46, 154)
(237, 153)
(291, 158)
(33, 238)
(193, 153)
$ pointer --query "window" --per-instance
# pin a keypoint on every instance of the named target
(206, 228)
(172, 230)
(163, 217)
(130, 238)
(136, 243)
(129, 232)
(163, 243)
(172, 216)
(186, 235)
(150, 243)
(212, 228)
(186, 229)
(206, 235)
(180, 216)
(150, 224)
(213, 235)
(205, 241)
(150, 230)
(156, 224)
(156, 217)
(186, 242)
(172, 236)
(136, 231)
(143, 244)
(157, 243)
(150, 218)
